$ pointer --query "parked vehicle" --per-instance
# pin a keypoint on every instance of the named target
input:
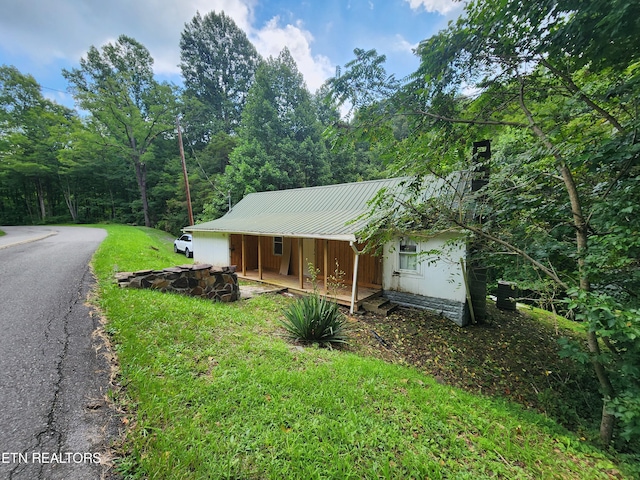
(183, 244)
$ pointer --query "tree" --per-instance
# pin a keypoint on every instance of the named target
(363, 84)
(347, 162)
(32, 131)
(129, 108)
(218, 63)
(280, 144)
(562, 102)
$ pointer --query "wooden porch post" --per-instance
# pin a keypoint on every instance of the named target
(354, 290)
(260, 257)
(326, 266)
(244, 256)
(300, 265)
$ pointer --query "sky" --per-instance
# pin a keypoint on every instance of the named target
(41, 37)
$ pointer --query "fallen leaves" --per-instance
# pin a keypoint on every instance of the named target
(512, 355)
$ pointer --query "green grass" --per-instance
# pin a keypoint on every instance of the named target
(553, 321)
(2, 233)
(213, 390)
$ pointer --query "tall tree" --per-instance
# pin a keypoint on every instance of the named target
(280, 144)
(557, 81)
(128, 107)
(218, 64)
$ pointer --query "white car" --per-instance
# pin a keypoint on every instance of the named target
(183, 244)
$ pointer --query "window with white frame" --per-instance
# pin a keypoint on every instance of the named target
(408, 255)
(277, 245)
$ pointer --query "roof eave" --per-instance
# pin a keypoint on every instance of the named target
(343, 237)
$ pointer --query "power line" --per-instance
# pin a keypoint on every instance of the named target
(52, 89)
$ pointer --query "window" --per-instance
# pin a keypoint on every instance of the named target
(277, 245)
(408, 255)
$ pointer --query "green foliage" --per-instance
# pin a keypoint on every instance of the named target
(603, 33)
(560, 104)
(218, 63)
(120, 162)
(129, 109)
(364, 82)
(34, 134)
(619, 328)
(280, 145)
(626, 407)
(315, 319)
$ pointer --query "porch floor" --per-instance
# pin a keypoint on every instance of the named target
(292, 284)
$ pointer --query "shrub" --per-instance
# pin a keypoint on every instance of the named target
(315, 319)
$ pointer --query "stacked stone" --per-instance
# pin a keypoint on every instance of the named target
(199, 280)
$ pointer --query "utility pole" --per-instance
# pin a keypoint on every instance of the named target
(184, 172)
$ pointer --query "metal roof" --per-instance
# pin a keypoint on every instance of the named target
(312, 212)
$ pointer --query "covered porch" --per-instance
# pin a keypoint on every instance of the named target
(341, 269)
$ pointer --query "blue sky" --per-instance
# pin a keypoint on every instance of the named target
(41, 37)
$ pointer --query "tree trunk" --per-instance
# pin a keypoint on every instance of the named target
(27, 202)
(607, 422)
(41, 204)
(66, 191)
(113, 204)
(141, 177)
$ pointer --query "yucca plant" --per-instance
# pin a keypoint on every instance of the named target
(315, 319)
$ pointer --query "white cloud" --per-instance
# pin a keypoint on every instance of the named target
(165, 47)
(53, 32)
(402, 45)
(441, 6)
(272, 38)
(65, 29)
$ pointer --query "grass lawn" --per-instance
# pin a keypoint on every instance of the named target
(211, 390)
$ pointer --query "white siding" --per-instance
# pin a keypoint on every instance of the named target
(437, 276)
(211, 248)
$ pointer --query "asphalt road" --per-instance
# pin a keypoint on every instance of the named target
(54, 421)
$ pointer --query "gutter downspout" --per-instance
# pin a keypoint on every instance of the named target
(354, 289)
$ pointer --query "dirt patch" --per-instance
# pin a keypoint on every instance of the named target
(512, 356)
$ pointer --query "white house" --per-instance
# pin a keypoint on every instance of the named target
(275, 236)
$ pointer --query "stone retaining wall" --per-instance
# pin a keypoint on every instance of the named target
(199, 280)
